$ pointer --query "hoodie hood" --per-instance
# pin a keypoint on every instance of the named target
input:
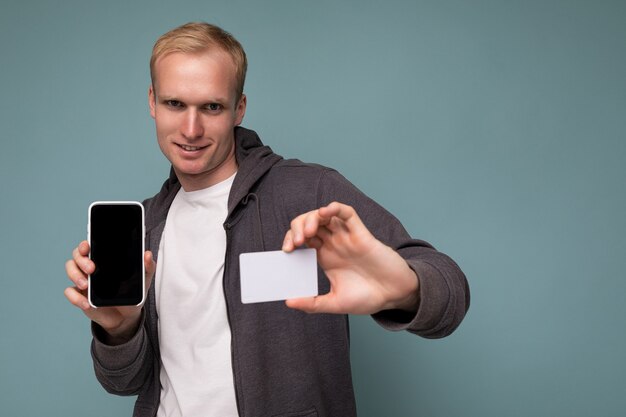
(253, 161)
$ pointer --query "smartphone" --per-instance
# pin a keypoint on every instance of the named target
(116, 232)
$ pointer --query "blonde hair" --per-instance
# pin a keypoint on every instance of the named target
(197, 37)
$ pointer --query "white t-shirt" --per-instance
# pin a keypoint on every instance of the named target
(194, 334)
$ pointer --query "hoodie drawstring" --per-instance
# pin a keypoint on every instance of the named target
(258, 226)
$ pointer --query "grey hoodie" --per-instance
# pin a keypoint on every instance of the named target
(285, 362)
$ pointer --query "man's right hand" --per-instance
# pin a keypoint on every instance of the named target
(118, 323)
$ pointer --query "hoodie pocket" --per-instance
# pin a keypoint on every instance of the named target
(311, 412)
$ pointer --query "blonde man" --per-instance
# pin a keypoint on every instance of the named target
(194, 349)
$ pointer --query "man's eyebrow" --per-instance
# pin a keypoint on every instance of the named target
(165, 97)
(218, 100)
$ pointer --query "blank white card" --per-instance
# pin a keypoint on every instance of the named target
(276, 275)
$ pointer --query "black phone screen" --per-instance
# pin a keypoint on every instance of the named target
(116, 238)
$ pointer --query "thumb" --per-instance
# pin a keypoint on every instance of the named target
(319, 304)
(150, 266)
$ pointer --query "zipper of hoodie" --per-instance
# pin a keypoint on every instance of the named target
(227, 228)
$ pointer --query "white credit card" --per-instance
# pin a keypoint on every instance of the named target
(277, 275)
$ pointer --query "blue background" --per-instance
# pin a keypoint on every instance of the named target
(493, 129)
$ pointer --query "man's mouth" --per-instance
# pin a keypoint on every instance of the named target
(191, 148)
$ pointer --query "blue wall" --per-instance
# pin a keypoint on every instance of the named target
(494, 129)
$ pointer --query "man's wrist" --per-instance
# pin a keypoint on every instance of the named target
(411, 301)
(120, 334)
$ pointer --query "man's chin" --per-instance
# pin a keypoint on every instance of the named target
(191, 172)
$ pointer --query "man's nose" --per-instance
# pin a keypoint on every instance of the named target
(192, 125)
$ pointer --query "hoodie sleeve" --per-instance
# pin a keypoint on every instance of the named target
(444, 291)
(122, 369)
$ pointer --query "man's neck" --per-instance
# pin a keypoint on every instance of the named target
(195, 182)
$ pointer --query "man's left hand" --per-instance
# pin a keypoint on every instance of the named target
(366, 276)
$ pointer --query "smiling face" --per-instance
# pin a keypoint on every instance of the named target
(194, 105)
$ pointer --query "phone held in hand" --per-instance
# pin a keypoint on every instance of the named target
(116, 233)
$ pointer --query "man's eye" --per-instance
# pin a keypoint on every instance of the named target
(174, 103)
(213, 107)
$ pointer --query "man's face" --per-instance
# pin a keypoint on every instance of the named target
(193, 103)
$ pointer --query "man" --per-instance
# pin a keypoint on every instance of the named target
(194, 349)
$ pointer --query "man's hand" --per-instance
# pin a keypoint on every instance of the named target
(119, 323)
(366, 276)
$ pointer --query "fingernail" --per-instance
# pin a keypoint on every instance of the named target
(82, 283)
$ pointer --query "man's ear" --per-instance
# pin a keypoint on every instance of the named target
(240, 110)
(152, 101)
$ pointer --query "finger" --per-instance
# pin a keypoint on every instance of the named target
(311, 224)
(288, 244)
(304, 227)
(323, 237)
(341, 211)
(297, 229)
(76, 298)
(328, 217)
(76, 275)
(314, 242)
(345, 218)
(81, 259)
(83, 248)
(297, 233)
(324, 233)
